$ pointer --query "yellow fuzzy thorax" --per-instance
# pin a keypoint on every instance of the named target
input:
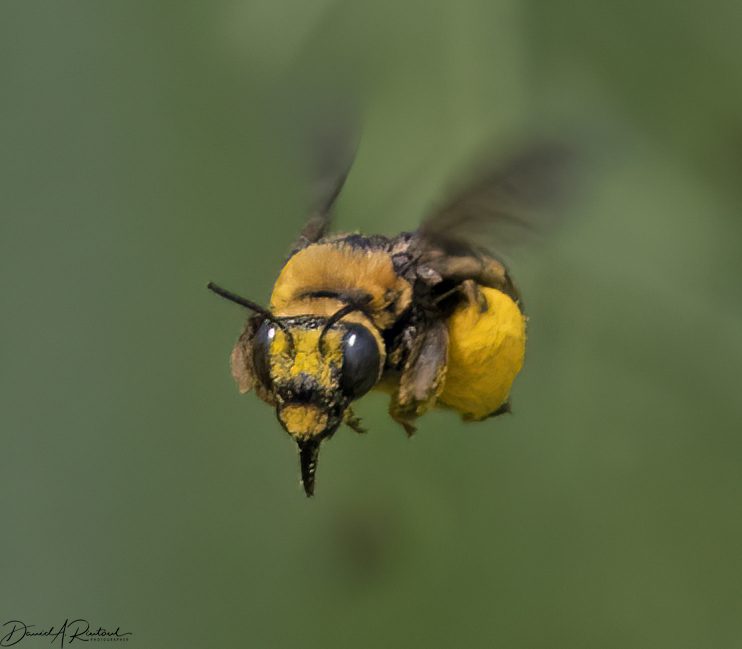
(345, 269)
(485, 354)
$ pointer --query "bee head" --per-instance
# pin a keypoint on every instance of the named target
(310, 368)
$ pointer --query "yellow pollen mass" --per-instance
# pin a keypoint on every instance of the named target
(485, 354)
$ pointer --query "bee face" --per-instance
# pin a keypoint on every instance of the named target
(311, 369)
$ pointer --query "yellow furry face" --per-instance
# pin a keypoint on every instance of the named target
(302, 421)
(290, 358)
(311, 369)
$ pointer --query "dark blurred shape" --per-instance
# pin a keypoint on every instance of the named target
(366, 542)
(322, 132)
(501, 201)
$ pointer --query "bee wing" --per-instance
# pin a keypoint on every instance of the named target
(502, 205)
(332, 142)
(326, 191)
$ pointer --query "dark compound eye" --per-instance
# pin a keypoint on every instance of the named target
(361, 361)
(261, 350)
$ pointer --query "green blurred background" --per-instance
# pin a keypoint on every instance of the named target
(144, 152)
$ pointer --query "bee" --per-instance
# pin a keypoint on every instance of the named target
(431, 317)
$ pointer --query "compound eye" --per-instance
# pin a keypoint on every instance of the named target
(261, 351)
(361, 361)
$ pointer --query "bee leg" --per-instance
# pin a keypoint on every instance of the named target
(353, 422)
(505, 408)
(423, 376)
(485, 271)
(471, 290)
(405, 422)
(502, 410)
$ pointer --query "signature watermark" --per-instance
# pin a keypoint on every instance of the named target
(79, 629)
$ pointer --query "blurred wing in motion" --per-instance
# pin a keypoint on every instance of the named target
(331, 141)
(505, 204)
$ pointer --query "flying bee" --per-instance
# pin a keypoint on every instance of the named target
(431, 317)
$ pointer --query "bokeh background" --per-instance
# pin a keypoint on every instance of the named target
(144, 151)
